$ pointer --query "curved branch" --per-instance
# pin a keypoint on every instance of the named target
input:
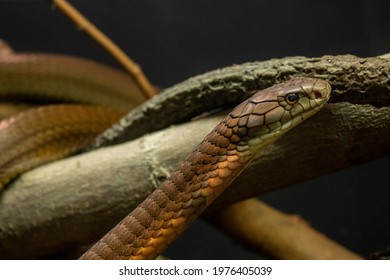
(353, 79)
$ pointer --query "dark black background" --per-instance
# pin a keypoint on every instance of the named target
(173, 40)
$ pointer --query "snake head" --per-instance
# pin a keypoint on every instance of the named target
(271, 112)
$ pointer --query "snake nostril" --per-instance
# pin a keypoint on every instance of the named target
(317, 94)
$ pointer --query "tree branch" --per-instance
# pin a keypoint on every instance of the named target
(353, 79)
(91, 30)
(264, 229)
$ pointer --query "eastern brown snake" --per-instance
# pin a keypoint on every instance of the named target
(32, 138)
(214, 164)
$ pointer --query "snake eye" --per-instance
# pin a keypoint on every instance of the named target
(291, 98)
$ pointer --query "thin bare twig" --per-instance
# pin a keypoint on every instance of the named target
(265, 229)
(91, 30)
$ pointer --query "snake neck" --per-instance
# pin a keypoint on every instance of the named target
(196, 183)
(161, 217)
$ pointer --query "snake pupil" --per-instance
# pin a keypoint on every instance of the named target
(291, 98)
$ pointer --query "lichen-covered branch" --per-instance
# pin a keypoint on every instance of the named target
(353, 79)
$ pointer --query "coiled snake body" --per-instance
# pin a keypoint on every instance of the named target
(214, 164)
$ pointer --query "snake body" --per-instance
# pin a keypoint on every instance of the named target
(37, 136)
(214, 164)
(48, 133)
(54, 78)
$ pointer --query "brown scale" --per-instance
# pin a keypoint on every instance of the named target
(214, 164)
